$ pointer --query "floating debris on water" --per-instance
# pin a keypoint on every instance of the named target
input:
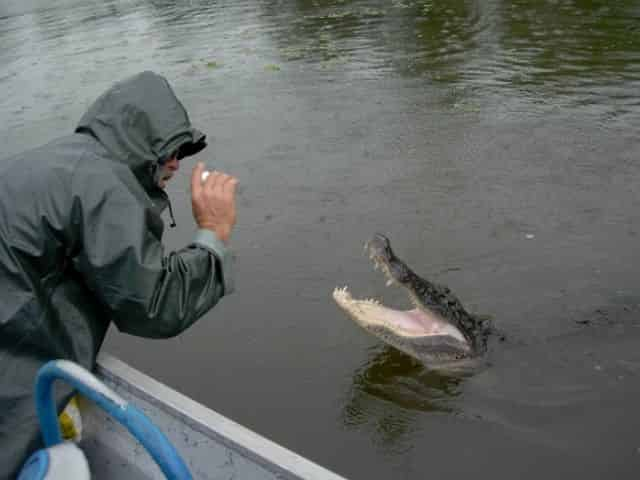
(399, 4)
(372, 12)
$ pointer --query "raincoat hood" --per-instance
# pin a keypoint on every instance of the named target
(141, 122)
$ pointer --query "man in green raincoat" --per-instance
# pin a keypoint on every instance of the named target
(80, 244)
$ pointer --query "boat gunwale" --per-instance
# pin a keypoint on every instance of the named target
(249, 444)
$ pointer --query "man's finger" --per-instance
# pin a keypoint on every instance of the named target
(230, 186)
(216, 176)
(220, 180)
(225, 179)
(212, 180)
(196, 178)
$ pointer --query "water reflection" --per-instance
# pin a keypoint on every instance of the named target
(518, 53)
(391, 389)
(580, 52)
(330, 33)
(440, 39)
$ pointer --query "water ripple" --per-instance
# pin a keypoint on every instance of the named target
(517, 55)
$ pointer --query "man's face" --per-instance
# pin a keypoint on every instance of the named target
(168, 170)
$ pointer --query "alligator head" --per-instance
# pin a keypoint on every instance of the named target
(438, 331)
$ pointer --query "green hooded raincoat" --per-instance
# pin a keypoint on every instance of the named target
(80, 247)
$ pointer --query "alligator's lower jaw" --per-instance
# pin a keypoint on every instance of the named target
(370, 314)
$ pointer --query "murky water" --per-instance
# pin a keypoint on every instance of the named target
(494, 142)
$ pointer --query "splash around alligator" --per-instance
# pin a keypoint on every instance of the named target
(438, 331)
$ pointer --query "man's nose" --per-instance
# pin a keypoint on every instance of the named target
(173, 164)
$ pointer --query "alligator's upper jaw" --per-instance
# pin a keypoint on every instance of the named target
(411, 324)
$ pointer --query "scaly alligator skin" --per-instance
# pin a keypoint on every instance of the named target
(438, 331)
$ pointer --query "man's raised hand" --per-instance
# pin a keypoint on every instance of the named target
(213, 201)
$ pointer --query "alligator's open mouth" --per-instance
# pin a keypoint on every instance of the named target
(373, 315)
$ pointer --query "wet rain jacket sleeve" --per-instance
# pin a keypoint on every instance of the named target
(146, 291)
(209, 239)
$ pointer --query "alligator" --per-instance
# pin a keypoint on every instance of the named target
(439, 332)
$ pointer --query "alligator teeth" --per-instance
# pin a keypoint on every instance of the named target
(341, 291)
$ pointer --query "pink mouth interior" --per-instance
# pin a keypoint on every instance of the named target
(414, 321)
